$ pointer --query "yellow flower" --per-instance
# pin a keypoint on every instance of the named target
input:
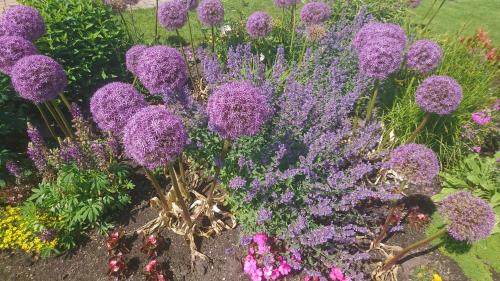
(436, 277)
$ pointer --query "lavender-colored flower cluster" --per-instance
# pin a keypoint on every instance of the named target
(189, 4)
(315, 32)
(469, 218)
(259, 24)
(376, 30)
(120, 5)
(37, 150)
(13, 169)
(211, 12)
(38, 78)
(285, 3)
(439, 94)
(154, 137)
(12, 49)
(114, 104)
(132, 57)
(172, 15)
(71, 152)
(424, 56)
(414, 162)
(22, 21)
(162, 70)
(315, 13)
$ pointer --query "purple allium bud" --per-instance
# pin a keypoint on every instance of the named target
(237, 109)
(114, 104)
(259, 25)
(172, 15)
(384, 31)
(285, 3)
(237, 182)
(424, 56)
(22, 21)
(162, 69)
(264, 215)
(13, 169)
(154, 137)
(315, 32)
(38, 78)
(439, 94)
(132, 57)
(469, 218)
(315, 13)
(211, 12)
(12, 49)
(415, 162)
(380, 58)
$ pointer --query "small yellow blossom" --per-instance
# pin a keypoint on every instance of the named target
(436, 277)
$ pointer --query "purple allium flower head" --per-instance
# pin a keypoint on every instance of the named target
(237, 109)
(384, 31)
(22, 21)
(114, 104)
(154, 137)
(189, 4)
(439, 94)
(424, 56)
(132, 57)
(380, 58)
(469, 218)
(162, 69)
(38, 78)
(415, 162)
(285, 3)
(315, 13)
(12, 49)
(259, 24)
(211, 12)
(172, 15)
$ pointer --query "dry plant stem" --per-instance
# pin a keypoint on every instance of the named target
(63, 119)
(184, 55)
(372, 102)
(392, 261)
(182, 186)
(178, 196)
(56, 118)
(65, 101)
(225, 150)
(385, 228)
(157, 187)
(213, 39)
(46, 121)
(419, 128)
(195, 57)
(156, 23)
(294, 7)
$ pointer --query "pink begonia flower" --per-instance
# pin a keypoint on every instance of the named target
(152, 240)
(257, 275)
(284, 267)
(161, 277)
(151, 266)
(476, 149)
(263, 249)
(336, 274)
(271, 273)
(251, 251)
(250, 265)
(260, 239)
(481, 118)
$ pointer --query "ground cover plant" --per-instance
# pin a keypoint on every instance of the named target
(310, 125)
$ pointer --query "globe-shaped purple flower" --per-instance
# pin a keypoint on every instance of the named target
(22, 21)
(469, 218)
(259, 25)
(189, 4)
(12, 49)
(132, 57)
(237, 109)
(211, 12)
(161, 70)
(285, 3)
(38, 78)
(172, 15)
(315, 13)
(380, 31)
(439, 94)
(414, 162)
(154, 137)
(380, 58)
(424, 56)
(114, 104)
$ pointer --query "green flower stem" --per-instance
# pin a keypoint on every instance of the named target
(392, 261)
(419, 128)
(65, 101)
(184, 55)
(195, 56)
(46, 121)
(225, 150)
(56, 118)
(213, 39)
(158, 189)
(156, 23)
(430, 10)
(63, 119)
(126, 26)
(372, 102)
(294, 7)
(435, 14)
(185, 211)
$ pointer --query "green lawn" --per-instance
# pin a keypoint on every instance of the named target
(464, 17)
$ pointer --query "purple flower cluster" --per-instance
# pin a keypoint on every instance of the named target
(38, 78)
(285, 3)
(211, 12)
(375, 31)
(22, 21)
(71, 152)
(132, 57)
(439, 94)
(414, 162)
(12, 49)
(315, 32)
(259, 25)
(120, 5)
(237, 109)
(469, 218)
(37, 151)
(424, 56)
(114, 104)
(237, 182)
(162, 70)
(264, 215)
(189, 4)
(13, 169)
(172, 15)
(315, 13)
(154, 137)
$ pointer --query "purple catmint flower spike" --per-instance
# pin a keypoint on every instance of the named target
(424, 56)
(414, 162)
(315, 13)
(154, 137)
(211, 12)
(172, 15)
(132, 57)
(259, 25)
(114, 104)
(22, 21)
(439, 94)
(38, 78)
(12, 49)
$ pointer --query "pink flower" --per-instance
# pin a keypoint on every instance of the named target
(151, 266)
(116, 264)
(161, 277)
(271, 273)
(336, 274)
(250, 265)
(263, 249)
(284, 267)
(476, 149)
(152, 240)
(481, 118)
(260, 239)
